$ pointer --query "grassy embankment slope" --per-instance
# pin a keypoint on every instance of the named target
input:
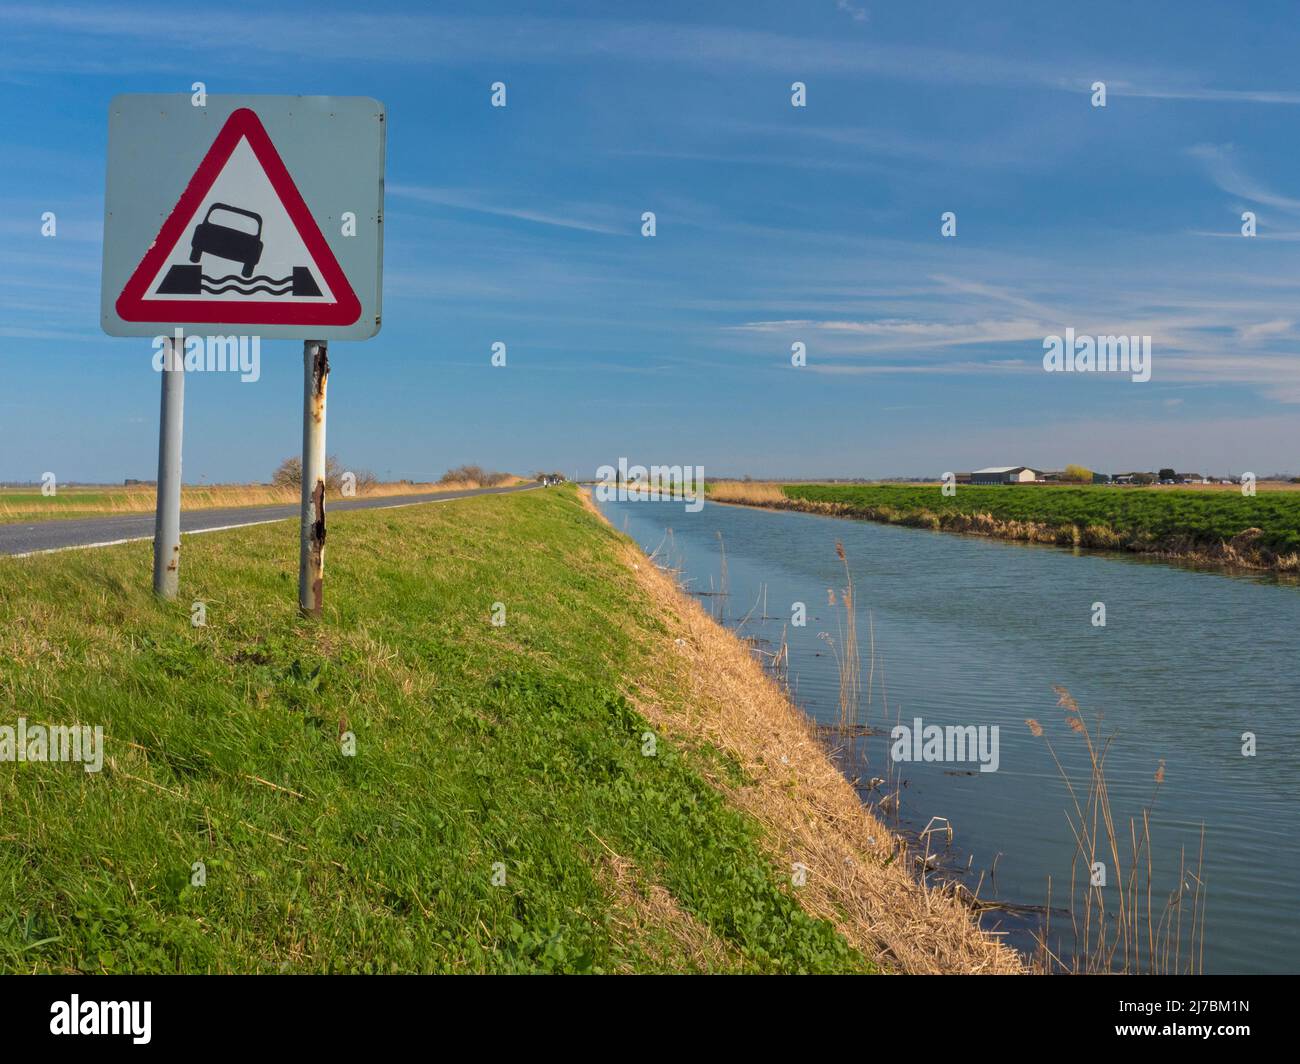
(23, 505)
(1224, 527)
(519, 747)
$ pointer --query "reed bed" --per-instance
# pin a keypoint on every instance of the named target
(1136, 933)
(746, 492)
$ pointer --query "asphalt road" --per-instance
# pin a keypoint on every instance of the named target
(59, 534)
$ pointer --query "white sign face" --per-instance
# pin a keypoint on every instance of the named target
(240, 243)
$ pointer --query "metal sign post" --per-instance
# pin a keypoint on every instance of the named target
(311, 553)
(263, 220)
(167, 517)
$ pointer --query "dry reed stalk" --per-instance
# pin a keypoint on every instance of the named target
(1106, 942)
(848, 662)
(722, 579)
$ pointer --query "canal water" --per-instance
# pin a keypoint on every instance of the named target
(978, 632)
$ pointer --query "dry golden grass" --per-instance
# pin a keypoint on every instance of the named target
(753, 493)
(90, 501)
(856, 875)
(646, 913)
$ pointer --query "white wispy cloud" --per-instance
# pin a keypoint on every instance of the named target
(1261, 96)
(1225, 171)
(461, 199)
(887, 336)
(1220, 330)
(1267, 235)
(1249, 334)
(402, 38)
(940, 368)
(857, 14)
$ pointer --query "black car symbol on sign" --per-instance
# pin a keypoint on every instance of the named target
(226, 242)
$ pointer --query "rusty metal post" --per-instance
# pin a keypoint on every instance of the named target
(311, 557)
(167, 515)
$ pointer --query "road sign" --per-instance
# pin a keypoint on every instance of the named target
(259, 214)
(287, 274)
(262, 212)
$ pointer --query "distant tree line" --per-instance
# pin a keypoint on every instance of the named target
(288, 474)
(473, 474)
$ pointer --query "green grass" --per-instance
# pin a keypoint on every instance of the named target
(66, 497)
(1205, 518)
(475, 745)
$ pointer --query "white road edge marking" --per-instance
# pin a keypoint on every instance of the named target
(227, 528)
(78, 546)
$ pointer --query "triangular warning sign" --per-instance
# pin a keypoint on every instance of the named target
(240, 247)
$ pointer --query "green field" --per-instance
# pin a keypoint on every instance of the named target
(479, 750)
(1141, 516)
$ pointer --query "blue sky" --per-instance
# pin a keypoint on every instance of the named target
(775, 224)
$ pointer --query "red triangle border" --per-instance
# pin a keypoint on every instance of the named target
(131, 304)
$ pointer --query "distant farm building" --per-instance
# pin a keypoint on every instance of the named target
(1004, 475)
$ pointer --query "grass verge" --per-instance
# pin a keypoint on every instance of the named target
(500, 812)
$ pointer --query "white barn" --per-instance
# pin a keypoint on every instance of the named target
(1004, 475)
